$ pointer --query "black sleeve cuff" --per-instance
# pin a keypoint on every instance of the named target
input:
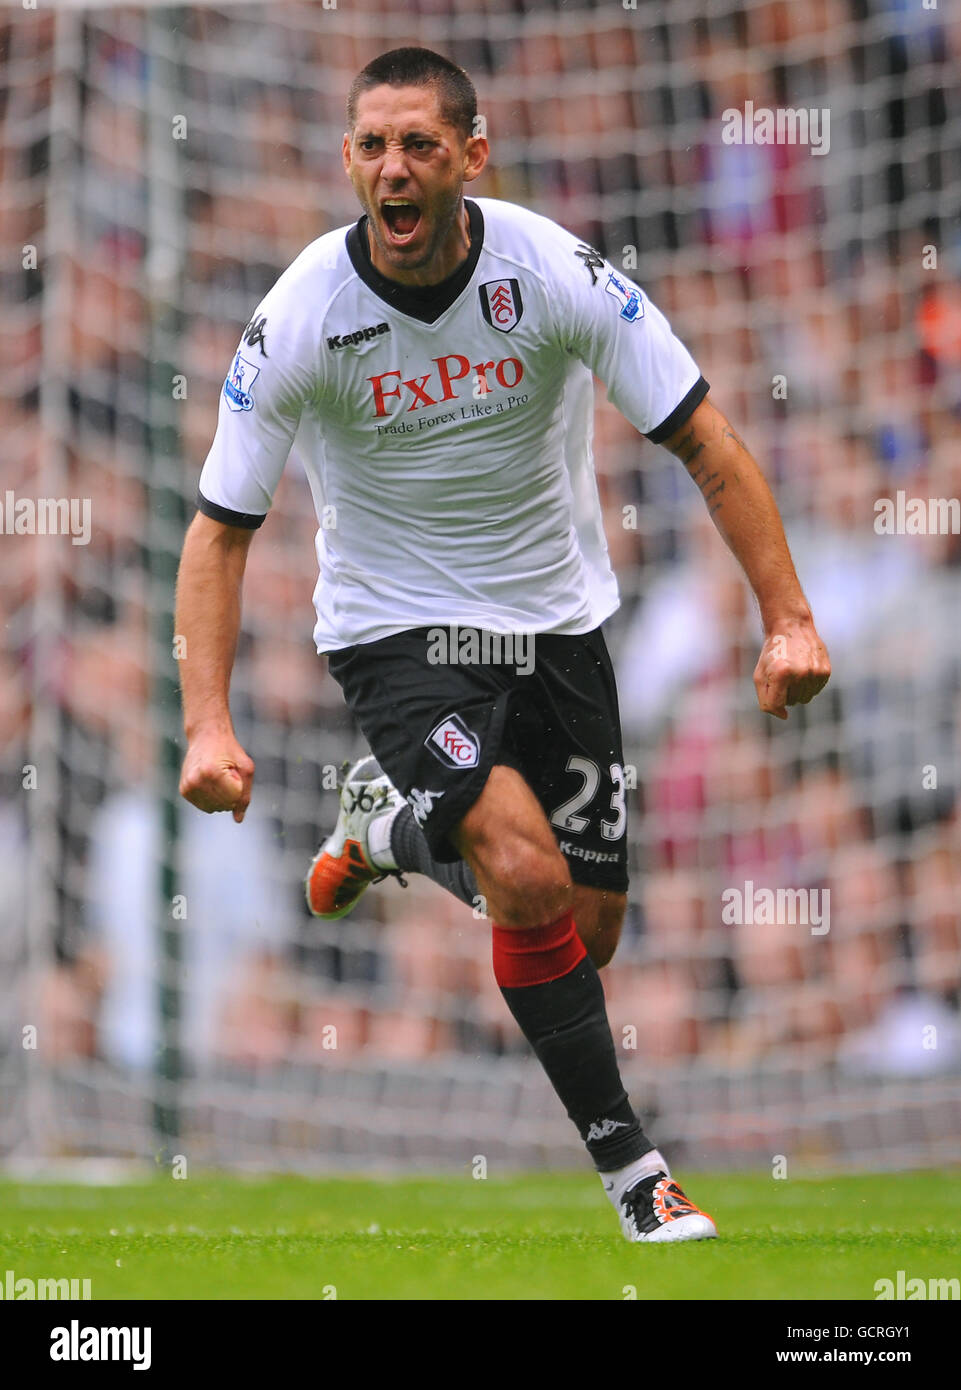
(680, 412)
(226, 517)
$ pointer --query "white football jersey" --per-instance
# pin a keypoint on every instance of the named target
(446, 431)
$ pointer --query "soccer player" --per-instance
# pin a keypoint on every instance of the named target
(436, 359)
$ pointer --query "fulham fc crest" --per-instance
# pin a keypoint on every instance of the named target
(451, 742)
(501, 303)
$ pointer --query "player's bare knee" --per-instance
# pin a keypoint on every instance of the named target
(530, 885)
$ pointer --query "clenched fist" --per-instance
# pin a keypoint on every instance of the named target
(217, 774)
(793, 666)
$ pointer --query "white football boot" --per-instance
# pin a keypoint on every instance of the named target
(344, 866)
(656, 1209)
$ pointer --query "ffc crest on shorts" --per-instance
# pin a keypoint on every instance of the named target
(501, 303)
(453, 744)
(240, 379)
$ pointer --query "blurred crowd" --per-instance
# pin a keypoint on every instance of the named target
(821, 296)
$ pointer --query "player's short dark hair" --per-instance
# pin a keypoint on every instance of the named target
(420, 67)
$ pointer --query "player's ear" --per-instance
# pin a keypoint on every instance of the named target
(346, 151)
(476, 155)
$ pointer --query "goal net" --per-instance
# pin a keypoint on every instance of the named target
(784, 180)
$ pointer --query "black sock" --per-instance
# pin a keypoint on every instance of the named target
(565, 1022)
(412, 855)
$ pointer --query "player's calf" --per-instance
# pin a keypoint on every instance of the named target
(599, 915)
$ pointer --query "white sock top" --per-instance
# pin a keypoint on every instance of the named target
(621, 1180)
(378, 839)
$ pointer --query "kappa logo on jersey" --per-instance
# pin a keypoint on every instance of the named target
(453, 743)
(359, 335)
(422, 803)
(593, 260)
(253, 334)
(632, 306)
(501, 304)
(237, 387)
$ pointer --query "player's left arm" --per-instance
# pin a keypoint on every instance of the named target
(794, 664)
(608, 321)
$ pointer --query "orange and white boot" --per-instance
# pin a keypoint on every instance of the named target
(345, 865)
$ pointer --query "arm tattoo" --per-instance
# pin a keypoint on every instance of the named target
(728, 433)
(689, 450)
(709, 497)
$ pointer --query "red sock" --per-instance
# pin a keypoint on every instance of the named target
(536, 955)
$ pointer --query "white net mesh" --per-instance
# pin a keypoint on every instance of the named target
(160, 168)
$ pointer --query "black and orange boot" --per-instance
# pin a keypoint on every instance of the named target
(656, 1209)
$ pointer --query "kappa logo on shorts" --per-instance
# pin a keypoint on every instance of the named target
(422, 803)
(453, 743)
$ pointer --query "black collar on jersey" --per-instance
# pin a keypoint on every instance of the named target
(424, 302)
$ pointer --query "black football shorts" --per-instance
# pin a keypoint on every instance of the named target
(440, 706)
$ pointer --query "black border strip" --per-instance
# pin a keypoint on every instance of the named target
(680, 412)
(247, 520)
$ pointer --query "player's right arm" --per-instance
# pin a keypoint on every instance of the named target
(217, 773)
(271, 376)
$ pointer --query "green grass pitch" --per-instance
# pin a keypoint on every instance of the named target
(540, 1237)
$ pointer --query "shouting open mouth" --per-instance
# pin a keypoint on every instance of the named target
(401, 219)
